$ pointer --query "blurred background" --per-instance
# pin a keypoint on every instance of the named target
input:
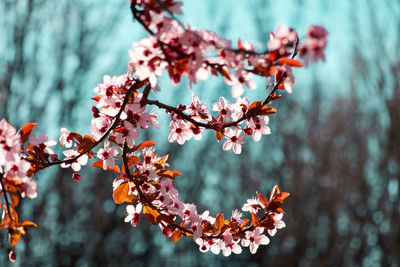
(335, 142)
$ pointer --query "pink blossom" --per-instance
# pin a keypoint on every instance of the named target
(259, 127)
(313, 48)
(254, 239)
(43, 142)
(199, 110)
(167, 187)
(133, 214)
(190, 213)
(288, 78)
(76, 165)
(278, 223)
(65, 138)
(282, 40)
(18, 168)
(238, 79)
(129, 134)
(223, 107)
(252, 205)
(28, 188)
(10, 144)
(137, 113)
(180, 131)
(147, 60)
(99, 126)
(240, 107)
(235, 139)
(209, 244)
(237, 217)
(228, 245)
(107, 154)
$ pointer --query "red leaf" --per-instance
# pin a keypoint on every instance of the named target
(98, 164)
(262, 199)
(240, 46)
(254, 219)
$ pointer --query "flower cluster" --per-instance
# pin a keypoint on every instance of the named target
(313, 48)
(121, 113)
(151, 186)
(12, 166)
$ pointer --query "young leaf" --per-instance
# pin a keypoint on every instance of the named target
(120, 194)
(26, 131)
(145, 144)
(176, 235)
(151, 214)
(290, 61)
(219, 222)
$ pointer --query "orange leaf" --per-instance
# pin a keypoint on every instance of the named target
(26, 131)
(135, 160)
(254, 219)
(99, 164)
(86, 144)
(14, 198)
(175, 172)
(162, 160)
(281, 86)
(176, 235)
(120, 194)
(240, 46)
(96, 98)
(28, 224)
(220, 135)
(14, 238)
(151, 214)
(167, 174)
(145, 144)
(219, 221)
(290, 61)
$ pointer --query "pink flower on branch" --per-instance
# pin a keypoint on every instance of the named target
(43, 142)
(257, 127)
(235, 139)
(313, 48)
(282, 40)
(107, 154)
(76, 165)
(133, 214)
(254, 239)
(223, 107)
(180, 132)
(278, 224)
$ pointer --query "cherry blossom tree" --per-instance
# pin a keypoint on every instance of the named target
(122, 112)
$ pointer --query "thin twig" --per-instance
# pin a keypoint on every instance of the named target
(5, 196)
